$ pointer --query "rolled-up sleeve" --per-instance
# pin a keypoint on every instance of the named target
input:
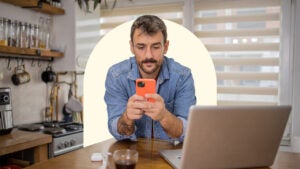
(116, 134)
(185, 99)
(184, 124)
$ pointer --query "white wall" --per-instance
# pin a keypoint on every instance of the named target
(64, 31)
(296, 80)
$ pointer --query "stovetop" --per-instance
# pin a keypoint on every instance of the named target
(55, 128)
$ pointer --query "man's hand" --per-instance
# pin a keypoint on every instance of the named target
(133, 112)
(135, 107)
(158, 112)
(155, 110)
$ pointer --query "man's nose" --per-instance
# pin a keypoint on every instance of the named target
(148, 52)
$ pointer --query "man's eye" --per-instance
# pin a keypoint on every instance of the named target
(156, 47)
(140, 47)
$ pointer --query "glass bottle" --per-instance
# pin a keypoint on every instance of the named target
(12, 34)
(2, 41)
(41, 33)
(18, 34)
(58, 3)
(8, 32)
(23, 35)
(3, 32)
(34, 36)
(30, 35)
(48, 33)
(54, 3)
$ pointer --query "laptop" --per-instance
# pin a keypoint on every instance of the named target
(230, 137)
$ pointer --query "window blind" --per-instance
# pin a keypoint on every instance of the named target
(243, 38)
(87, 34)
(110, 18)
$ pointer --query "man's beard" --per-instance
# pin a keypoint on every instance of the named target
(156, 67)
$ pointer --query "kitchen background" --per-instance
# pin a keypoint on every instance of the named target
(30, 100)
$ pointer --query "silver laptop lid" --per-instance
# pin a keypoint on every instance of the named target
(233, 136)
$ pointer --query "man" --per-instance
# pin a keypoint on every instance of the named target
(130, 115)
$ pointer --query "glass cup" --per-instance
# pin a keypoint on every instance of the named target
(125, 158)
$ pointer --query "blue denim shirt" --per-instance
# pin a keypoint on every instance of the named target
(175, 85)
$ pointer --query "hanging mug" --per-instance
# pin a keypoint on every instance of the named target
(48, 75)
(20, 76)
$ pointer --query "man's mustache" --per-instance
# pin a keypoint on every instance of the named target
(149, 61)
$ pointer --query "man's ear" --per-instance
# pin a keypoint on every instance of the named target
(166, 47)
(131, 46)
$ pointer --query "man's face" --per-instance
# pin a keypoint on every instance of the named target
(149, 51)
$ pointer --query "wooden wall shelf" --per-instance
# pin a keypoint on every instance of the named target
(36, 5)
(26, 52)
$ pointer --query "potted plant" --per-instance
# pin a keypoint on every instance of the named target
(84, 4)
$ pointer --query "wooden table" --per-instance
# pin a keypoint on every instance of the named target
(21, 140)
(149, 157)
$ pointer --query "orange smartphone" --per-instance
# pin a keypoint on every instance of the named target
(143, 86)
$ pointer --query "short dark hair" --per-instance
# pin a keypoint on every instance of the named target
(149, 24)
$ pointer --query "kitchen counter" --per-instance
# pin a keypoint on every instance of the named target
(19, 140)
